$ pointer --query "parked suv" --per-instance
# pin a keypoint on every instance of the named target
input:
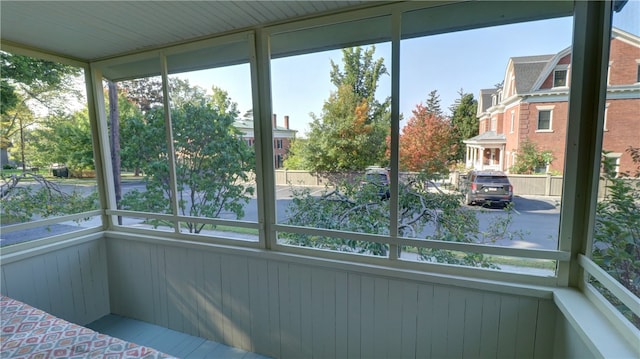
(378, 177)
(487, 187)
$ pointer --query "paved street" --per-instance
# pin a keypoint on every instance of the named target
(535, 218)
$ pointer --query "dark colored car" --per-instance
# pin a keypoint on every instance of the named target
(378, 177)
(487, 187)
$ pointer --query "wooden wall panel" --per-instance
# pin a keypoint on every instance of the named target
(286, 309)
(70, 282)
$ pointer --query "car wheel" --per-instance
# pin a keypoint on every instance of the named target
(468, 199)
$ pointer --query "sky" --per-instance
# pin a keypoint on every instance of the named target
(470, 60)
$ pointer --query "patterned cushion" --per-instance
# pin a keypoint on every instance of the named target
(28, 332)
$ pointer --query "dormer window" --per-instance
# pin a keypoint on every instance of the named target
(560, 78)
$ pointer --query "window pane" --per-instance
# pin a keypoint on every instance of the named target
(46, 149)
(332, 118)
(212, 118)
(544, 120)
(616, 244)
(560, 78)
(139, 146)
(456, 119)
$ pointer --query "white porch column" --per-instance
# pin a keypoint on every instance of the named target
(466, 156)
(474, 154)
(481, 159)
(501, 159)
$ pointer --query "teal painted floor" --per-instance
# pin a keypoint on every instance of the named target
(166, 340)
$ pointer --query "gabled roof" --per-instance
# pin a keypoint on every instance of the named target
(487, 138)
(527, 69)
(552, 62)
(485, 99)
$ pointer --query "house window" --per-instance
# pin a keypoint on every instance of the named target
(613, 158)
(544, 120)
(638, 71)
(278, 161)
(513, 121)
(279, 143)
(494, 124)
(560, 78)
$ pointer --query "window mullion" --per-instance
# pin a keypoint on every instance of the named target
(173, 184)
(394, 250)
(265, 175)
(584, 134)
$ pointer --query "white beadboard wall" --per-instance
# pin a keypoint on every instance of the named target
(286, 309)
(68, 281)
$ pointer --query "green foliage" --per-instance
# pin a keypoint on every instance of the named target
(424, 213)
(433, 104)
(464, 123)
(26, 82)
(616, 246)
(529, 158)
(64, 139)
(212, 164)
(31, 76)
(294, 159)
(8, 97)
(351, 132)
(44, 199)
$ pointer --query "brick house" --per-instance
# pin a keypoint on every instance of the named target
(282, 137)
(533, 103)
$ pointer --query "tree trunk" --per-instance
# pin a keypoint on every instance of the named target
(114, 117)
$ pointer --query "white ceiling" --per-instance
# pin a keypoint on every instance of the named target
(93, 30)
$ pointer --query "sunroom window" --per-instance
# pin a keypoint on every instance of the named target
(196, 177)
(48, 171)
(616, 235)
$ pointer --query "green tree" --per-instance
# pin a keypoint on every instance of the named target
(433, 104)
(222, 101)
(212, 164)
(32, 78)
(294, 159)
(529, 158)
(351, 132)
(464, 123)
(27, 80)
(357, 208)
(64, 139)
(616, 245)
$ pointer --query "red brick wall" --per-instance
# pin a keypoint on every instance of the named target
(512, 138)
(624, 69)
(554, 140)
(623, 130)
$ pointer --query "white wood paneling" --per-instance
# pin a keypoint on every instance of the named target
(286, 309)
(69, 282)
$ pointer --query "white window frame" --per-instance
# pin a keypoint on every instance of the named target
(559, 68)
(541, 109)
(606, 112)
(616, 156)
(513, 120)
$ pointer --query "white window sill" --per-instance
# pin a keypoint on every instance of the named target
(543, 131)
